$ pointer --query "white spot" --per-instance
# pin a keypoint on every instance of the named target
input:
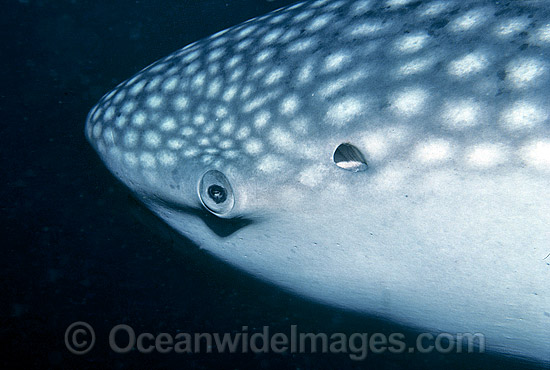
(281, 139)
(469, 64)
(261, 119)
(175, 144)
(246, 91)
(486, 155)
(121, 121)
(221, 112)
(537, 154)
(128, 107)
(243, 133)
(411, 43)
(234, 61)
(170, 84)
(168, 124)
(152, 139)
(512, 27)
(109, 114)
(199, 119)
(230, 154)
(214, 88)
(204, 141)
(433, 151)
(188, 131)
(306, 73)
(542, 35)
(154, 83)
(131, 159)
(416, 66)
(159, 67)
(192, 68)
(191, 56)
(319, 22)
(243, 44)
(198, 80)
(274, 76)
(271, 164)
(154, 101)
(344, 110)
(109, 136)
(410, 101)
(253, 146)
(367, 29)
(435, 8)
(398, 3)
(360, 7)
(301, 46)
(289, 105)
(119, 96)
(461, 113)
(375, 145)
(136, 89)
(139, 119)
(247, 30)
(272, 36)
(523, 115)
(131, 139)
(97, 130)
(227, 128)
(524, 72)
(191, 152)
(313, 176)
(147, 160)
(167, 159)
(333, 87)
(470, 21)
(299, 125)
(303, 16)
(230, 93)
(216, 54)
(265, 55)
(225, 144)
(336, 61)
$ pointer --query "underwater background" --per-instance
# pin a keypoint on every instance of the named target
(76, 246)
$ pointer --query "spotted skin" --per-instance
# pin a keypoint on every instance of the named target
(446, 100)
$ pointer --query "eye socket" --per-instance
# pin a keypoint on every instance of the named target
(216, 193)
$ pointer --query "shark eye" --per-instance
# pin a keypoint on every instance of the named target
(216, 193)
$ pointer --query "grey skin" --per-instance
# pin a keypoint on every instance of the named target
(437, 213)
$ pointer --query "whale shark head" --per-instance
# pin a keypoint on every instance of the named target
(359, 153)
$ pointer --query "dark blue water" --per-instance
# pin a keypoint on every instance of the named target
(77, 247)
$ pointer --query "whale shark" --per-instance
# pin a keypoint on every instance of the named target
(386, 157)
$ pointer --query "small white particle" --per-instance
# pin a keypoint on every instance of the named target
(139, 119)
